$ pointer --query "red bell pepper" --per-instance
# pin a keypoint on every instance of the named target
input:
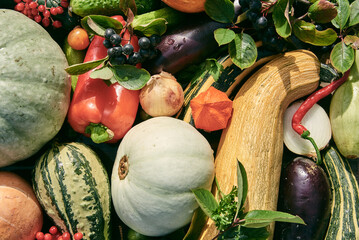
(104, 113)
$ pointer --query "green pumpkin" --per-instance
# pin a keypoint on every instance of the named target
(34, 87)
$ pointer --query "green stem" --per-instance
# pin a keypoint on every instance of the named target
(99, 133)
(305, 135)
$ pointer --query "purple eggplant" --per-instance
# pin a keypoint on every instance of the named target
(190, 44)
(304, 191)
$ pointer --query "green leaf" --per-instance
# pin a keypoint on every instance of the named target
(242, 183)
(206, 201)
(97, 24)
(224, 36)
(354, 13)
(220, 10)
(342, 57)
(102, 73)
(352, 40)
(243, 50)
(307, 32)
(130, 77)
(243, 233)
(262, 218)
(198, 222)
(342, 17)
(156, 26)
(81, 68)
(281, 18)
(214, 68)
(322, 11)
(128, 4)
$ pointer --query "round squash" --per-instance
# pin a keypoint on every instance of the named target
(34, 87)
(187, 6)
(158, 162)
(20, 213)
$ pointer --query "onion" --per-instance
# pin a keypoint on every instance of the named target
(316, 121)
(162, 95)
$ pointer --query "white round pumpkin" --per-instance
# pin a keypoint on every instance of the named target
(158, 162)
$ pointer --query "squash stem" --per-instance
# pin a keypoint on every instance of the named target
(305, 135)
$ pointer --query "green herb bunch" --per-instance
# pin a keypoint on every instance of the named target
(230, 217)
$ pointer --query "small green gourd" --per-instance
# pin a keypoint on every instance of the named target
(344, 113)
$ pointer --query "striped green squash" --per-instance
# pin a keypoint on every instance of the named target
(73, 187)
(345, 204)
(228, 82)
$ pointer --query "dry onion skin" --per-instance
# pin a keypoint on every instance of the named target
(162, 95)
(316, 121)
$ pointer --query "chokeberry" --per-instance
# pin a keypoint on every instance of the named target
(118, 60)
(255, 5)
(155, 40)
(109, 32)
(252, 16)
(111, 52)
(134, 58)
(261, 22)
(145, 53)
(144, 42)
(115, 39)
(117, 50)
(127, 49)
(107, 43)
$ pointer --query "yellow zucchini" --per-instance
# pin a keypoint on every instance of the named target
(254, 135)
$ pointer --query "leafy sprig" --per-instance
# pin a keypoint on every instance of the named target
(342, 15)
(229, 214)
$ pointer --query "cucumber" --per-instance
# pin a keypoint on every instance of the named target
(343, 222)
(110, 7)
(73, 188)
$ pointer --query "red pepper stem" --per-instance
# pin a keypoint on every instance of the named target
(99, 133)
(305, 135)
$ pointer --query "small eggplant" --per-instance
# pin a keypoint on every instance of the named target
(304, 191)
(190, 44)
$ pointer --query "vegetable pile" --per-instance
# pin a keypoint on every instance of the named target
(179, 119)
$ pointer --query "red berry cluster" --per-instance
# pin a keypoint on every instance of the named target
(40, 13)
(54, 234)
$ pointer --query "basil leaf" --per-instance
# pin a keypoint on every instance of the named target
(220, 10)
(243, 50)
(354, 13)
(130, 77)
(241, 233)
(102, 73)
(156, 26)
(242, 183)
(343, 14)
(342, 57)
(206, 201)
(307, 32)
(322, 11)
(97, 24)
(224, 36)
(82, 68)
(214, 68)
(281, 18)
(262, 218)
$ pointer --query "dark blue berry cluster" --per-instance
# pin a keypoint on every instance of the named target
(126, 54)
(253, 8)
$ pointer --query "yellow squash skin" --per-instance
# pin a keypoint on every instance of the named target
(254, 135)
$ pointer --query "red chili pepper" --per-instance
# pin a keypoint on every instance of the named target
(104, 113)
(308, 104)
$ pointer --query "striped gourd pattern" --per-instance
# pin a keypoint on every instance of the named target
(73, 187)
(345, 204)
